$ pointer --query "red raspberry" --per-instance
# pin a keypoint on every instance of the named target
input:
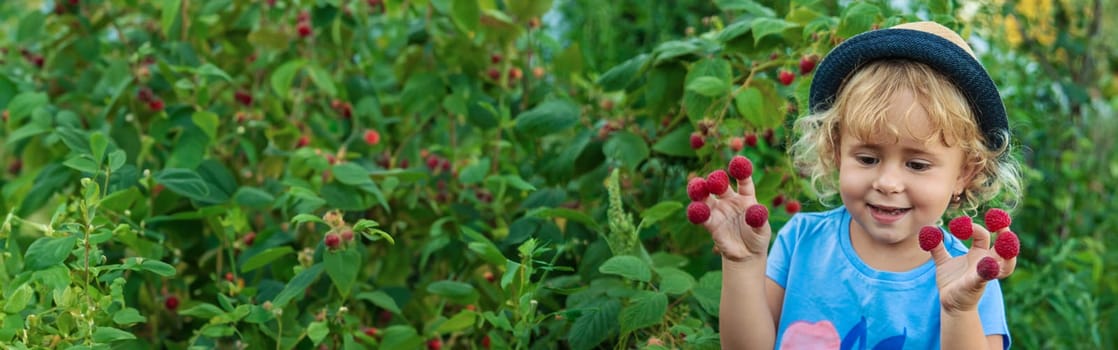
(333, 241)
(988, 268)
(961, 227)
(792, 207)
(372, 137)
(697, 189)
(756, 215)
(156, 105)
(485, 342)
(172, 302)
(718, 182)
(751, 139)
(1007, 245)
(997, 219)
(493, 73)
(930, 236)
(244, 97)
(303, 141)
(371, 332)
(249, 238)
(434, 344)
(697, 141)
(778, 200)
(786, 77)
(698, 212)
(741, 168)
(495, 58)
(304, 29)
(347, 235)
(807, 64)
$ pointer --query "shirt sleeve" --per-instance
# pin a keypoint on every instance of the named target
(991, 311)
(780, 255)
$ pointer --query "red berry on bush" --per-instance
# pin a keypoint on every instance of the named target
(371, 332)
(489, 276)
(792, 207)
(495, 58)
(434, 344)
(515, 74)
(171, 303)
(249, 238)
(229, 276)
(347, 235)
(494, 74)
(372, 137)
(751, 139)
(333, 241)
(485, 342)
(304, 29)
(145, 94)
(303, 141)
(778, 200)
(807, 64)
(786, 77)
(156, 105)
(244, 97)
(15, 166)
(697, 141)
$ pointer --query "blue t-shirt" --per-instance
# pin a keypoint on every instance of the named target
(833, 300)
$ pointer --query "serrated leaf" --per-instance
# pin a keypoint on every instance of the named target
(749, 6)
(675, 281)
(858, 18)
(547, 118)
(646, 309)
(765, 26)
(110, 334)
(697, 105)
(627, 148)
(266, 257)
(627, 266)
(709, 86)
(676, 143)
(298, 285)
(658, 212)
(351, 174)
(621, 75)
(208, 122)
(128, 316)
(709, 292)
(474, 172)
(595, 325)
(254, 197)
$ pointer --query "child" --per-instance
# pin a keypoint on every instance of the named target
(905, 123)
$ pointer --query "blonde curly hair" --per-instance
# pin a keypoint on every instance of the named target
(859, 108)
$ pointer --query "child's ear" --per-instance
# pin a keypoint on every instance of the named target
(970, 170)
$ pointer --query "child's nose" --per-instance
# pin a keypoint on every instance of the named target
(889, 180)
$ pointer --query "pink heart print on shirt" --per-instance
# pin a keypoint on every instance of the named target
(806, 335)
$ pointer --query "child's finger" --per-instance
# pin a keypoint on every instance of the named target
(931, 240)
(1007, 267)
(981, 237)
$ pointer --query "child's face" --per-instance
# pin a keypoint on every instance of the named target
(893, 186)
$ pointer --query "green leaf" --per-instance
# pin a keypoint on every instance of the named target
(748, 6)
(528, 8)
(697, 105)
(204, 311)
(658, 212)
(646, 309)
(676, 143)
(764, 26)
(595, 325)
(208, 122)
(381, 299)
(547, 118)
(254, 197)
(401, 337)
(185, 182)
(466, 14)
(117, 159)
(460, 292)
(110, 334)
(46, 252)
(23, 104)
(858, 18)
(19, 299)
(284, 76)
(460, 322)
(342, 267)
(675, 281)
(627, 148)
(26, 131)
(620, 76)
(298, 285)
(474, 172)
(709, 86)
(351, 174)
(158, 267)
(97, 146)
(566, 213)
(627, 266)
(170, 13)
(759, 106)
(265, 257)
(128, 316)
(709, 292)
(516, 182)
(322, 79)
(317, 331)
(211, 70)
(82, 163)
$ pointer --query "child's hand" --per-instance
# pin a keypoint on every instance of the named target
(962, 279)
(738, 224)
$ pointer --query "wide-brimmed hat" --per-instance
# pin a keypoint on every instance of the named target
(926, 42)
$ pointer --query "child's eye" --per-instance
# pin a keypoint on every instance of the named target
(918, 166)
(866, 160)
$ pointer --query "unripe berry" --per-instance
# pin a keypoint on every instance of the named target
(372, 137)
(347, 235)
(737, 144)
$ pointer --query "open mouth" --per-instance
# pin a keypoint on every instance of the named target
(888, 211)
